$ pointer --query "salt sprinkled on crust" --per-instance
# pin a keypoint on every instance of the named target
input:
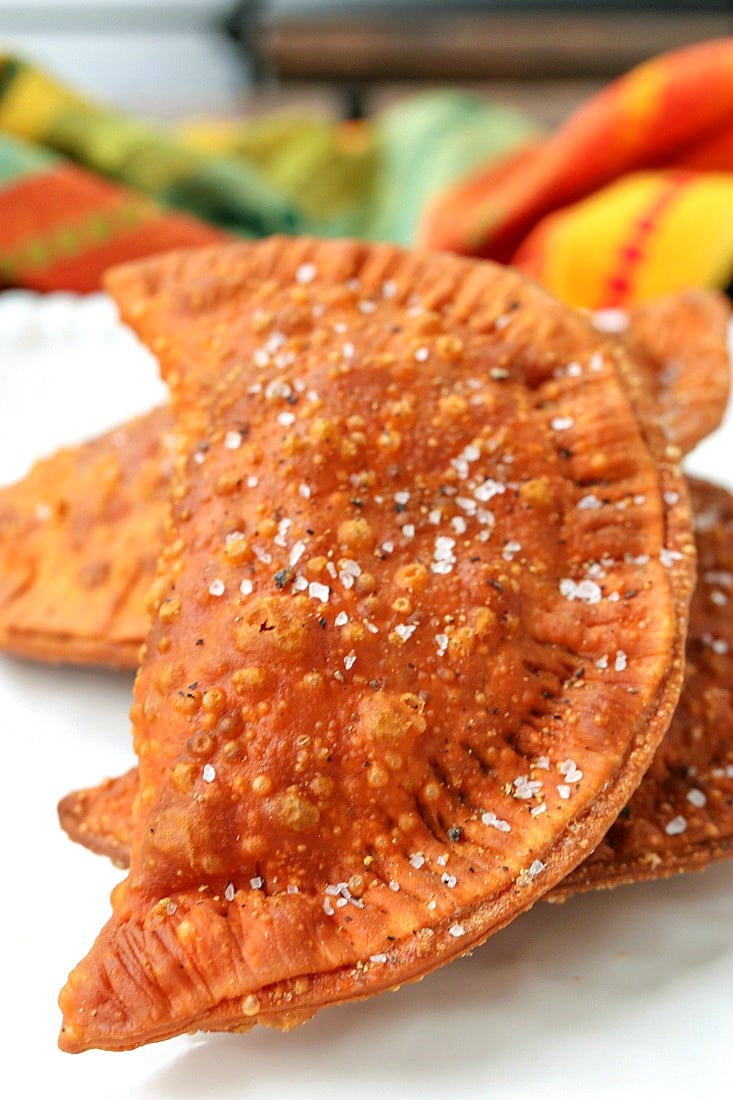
(676, 826)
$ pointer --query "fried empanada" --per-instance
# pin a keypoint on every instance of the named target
(682, 344)
(417, 629)
(681, 816)
(45, 610)
(79, 537)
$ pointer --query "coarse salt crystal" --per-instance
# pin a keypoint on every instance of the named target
(587, 591)
(349, 661)
(306, 273)
(417, 860)
(304, 490)
(444, 549)
(216, 588)
(422, 354)
(676, 826)
(209, 773)
(457, 930)
(318, 591)
(536, 867)
(561, 423)
(286, 419)
(636, 559)
(563, 790)
(380, 958)
(525, 788)
(488, 489)
(256, 882)
(490, 818)
(233, 440)
(296, 553)
(405, 630)
(696, 797)
(246, 587)
(448, 880)
(611, 320)
(621, 661)
(394, 886)
(230, 891)
(341, 619)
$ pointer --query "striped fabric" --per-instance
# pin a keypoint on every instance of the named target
(631, 198)
(83, 187)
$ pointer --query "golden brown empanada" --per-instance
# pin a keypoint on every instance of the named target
(88, 516)
(417, 629)
(680, 817)
(681, 343)
(79, 537)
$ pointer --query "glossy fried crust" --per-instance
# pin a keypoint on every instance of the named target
(100, 818)
(417, 629)
(680, 817)
(681, 343)
(79, 537)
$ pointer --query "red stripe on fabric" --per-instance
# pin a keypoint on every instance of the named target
(632, 252)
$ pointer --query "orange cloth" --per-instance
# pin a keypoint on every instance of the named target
(643, 237)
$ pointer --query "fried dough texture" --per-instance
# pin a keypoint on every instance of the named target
(79, 538)
(682, 345)
(417, 629)
(678, 343)
(681, 816)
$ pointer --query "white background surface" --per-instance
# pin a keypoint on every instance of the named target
(627, 993)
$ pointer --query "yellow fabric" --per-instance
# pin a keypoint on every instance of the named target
(643, 237)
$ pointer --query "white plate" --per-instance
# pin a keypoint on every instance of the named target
(627, 992)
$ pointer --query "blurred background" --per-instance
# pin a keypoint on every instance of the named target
(170, 58)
